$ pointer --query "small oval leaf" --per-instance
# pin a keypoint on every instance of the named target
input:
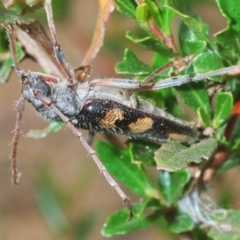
(223, 107)
(174, 156)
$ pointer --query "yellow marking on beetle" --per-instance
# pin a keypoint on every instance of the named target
(111, 116)
(178, 136)
(141, 125)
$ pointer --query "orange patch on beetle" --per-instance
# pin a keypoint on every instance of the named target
(178, 136)
(111, 116)
(141, 125)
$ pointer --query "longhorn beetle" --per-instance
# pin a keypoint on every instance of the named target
(104, 105)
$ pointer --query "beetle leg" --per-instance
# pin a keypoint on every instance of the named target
(57, 49)
(45, 100)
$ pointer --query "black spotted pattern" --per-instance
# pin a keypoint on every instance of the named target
(95, 110)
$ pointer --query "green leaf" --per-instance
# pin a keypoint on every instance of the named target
(3, 44)
(60, 8)
(117, 223)
(160, 60)
(132, 65)
(223, 107)
(235, 141)
(229, 37)
(126, 7)
(142, 15)
(181, 223)
(195, 96)
(5, 70)
(228, 164)
(83, 228)
(227, 225)
(165, 153)
(172, 184)
(189, 42)
(139, 207)
(204, 117)
(143, 151)
(10, 17)
(200, 234)
(149, 12)
(174, 156)
(167, 17)
(230, 10)
(49, 203)
(53, 126)
(151, 44)
(28, 6)
(118, 162)
(206, 62)
(177, 4)
(7, 67)
(197, 27)
(155, 13)
(234, 133)
(233, 85)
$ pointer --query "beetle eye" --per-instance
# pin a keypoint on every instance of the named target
(25, 81)
(43, 87)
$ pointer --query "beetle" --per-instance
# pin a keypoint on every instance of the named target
(104, 105)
